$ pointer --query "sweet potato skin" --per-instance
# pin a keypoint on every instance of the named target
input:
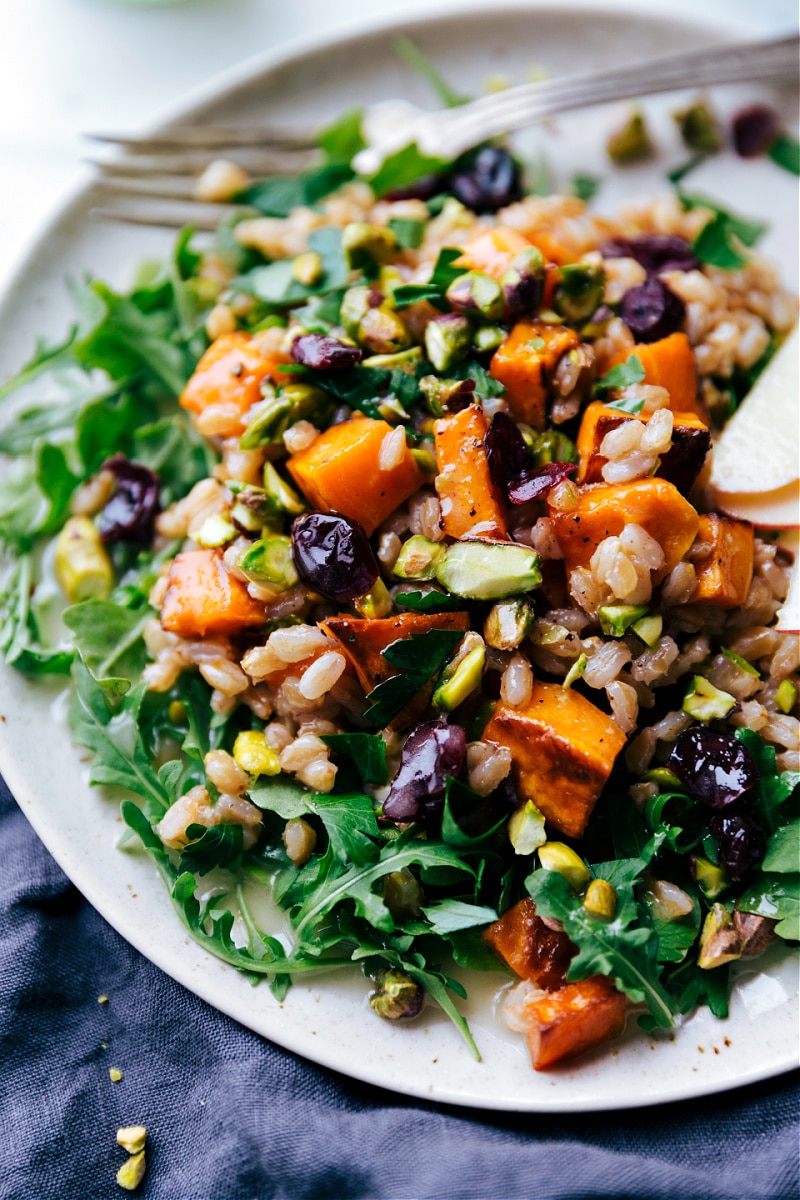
(532, 949)
(363, 641)
(340, 472)
(669, 363)
(575, 1018)
(470, 502)
(203, 598)
(525, 363)
(691, 441)
(725, 574)
(563, 749)
(604, 510)
(230, 374)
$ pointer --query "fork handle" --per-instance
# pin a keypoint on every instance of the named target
(523, 105)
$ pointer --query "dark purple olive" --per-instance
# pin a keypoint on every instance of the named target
(424, 188)
(323, 353)
(129, 514)
(333, 556)
(656, 252)
(489, 181)
(506, 452)
(533, 485)
(754, 129)
(651, 311)
(740, 841)
(431, 753)
(713, 767)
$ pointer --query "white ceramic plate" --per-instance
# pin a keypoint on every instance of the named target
(330, 1022)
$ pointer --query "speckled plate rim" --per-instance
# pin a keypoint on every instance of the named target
(595, 1084)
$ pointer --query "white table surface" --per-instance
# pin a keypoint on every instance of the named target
(71, 66)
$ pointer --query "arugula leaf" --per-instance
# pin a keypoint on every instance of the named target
(46, 357)
(108, 635)
(429, 602)
(113, 736)
(365, 751)
(219, 846)
(450, 916)
(460, 796)
(280, 794)
(56, 482)
(404, 167)
(783, 849)
(719, 240)
(350, 823)
(409, 233)
(485, 385)
(585, 187)
(624, 948)
(623, 375)
(19, 633)
(418, 658)
(413, 57)
(785, 152)
(772, 789)
(443, 275)
(342, 140)
(174, 450)
(692, 985)
(679, 173)
(21, 506)
(276, 285)
(278, 195)
(106, 425)
(776, 896)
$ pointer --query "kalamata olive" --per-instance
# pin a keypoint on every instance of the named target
(656, 252)
(713, 767)
(333, 556)
(651, 311)
(129, 514)
(431, 753)
(323, 353)
(489, 181)
(533, 485)
(754, 129)
(740, 841)
(506, 452)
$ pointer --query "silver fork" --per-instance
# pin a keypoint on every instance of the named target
(160, 167)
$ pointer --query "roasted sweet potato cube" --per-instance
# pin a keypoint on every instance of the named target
(342, 471)
(725, 573)
(577, 1017)
(203, 598)
(470, 502)
(228, 377)
(525, 363)
(532, 949)
(363, 641)
(562, 749)
(681, 464)
(604, 510)
(669, 363)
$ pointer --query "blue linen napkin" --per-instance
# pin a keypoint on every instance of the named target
(232, 1117)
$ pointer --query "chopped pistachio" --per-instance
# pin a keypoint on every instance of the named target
(132, 1138)
(440, 393)
(363, 244)
(281, 497)
(649, 629)
(786, 696)
(389, 279)
(526, 829)
(579, 291)
(419, 558)
(114, 1074)
(102, 999)
(252, 509)
(486, 571)
(355, 303)
(375, 603)
(477, 295)
(523, 283)
(460, 680)
(705, 702)
(381, 331)
(508, 624)
(699, 127)
(307, 268)
(215, 531)
(296, 402)
(601, 899)
(251, 752)
(631, 142)
(447, 339)
(397, 996)
(487, 338)
(82, 565)
(747, 667)
(405, 361)
(719, 940)
(663, 778)
(556, 856)
(392, 410)
(424, 460)
(576, 671)
(549, 447)
(269, 560)
(131, 1173)
(615, 619)
(755, 932)
(547, 633)
(711, 880)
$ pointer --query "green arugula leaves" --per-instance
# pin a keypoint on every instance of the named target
(418, 658)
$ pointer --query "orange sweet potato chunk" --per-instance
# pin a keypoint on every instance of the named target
(562, 750)
(203, 598)
(471, 504)
(573, 1019)
(681, 464)
(230, 373)
(669, 363)
(363, 640)
(341, 472)
(533, 950)
(725, 574)
(603, 510)
(525, 363)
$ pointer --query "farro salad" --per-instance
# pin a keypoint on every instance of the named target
(395, 586)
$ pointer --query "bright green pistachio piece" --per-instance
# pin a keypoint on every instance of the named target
(615, 619)
(699, 127)
(526, 829)
(487, 338)
(381, 331)
(712, 880)
(253, 509)
(375, 603)
(508, 624)
(576, 671)
(355, 303)
(307, 268)
(786, 696)
(719, 939)
(649, 629)
(405, 361)
(216, 530)
(82, 565)
(477, 295)
(439, 393)
(663, 778)
(601, 899)
(488, 571)
(447, 339)
(705, 702)
(460, 680)
(363, 244)
(556, 856)
(631, 142)
(579, 291)
(131, 1173)
(281, 497)
(747, 667)
(547, 633)
(424, 460)
(269, 424)
(269, 560)
(549, 447)
(397, 996)
(418, 558)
